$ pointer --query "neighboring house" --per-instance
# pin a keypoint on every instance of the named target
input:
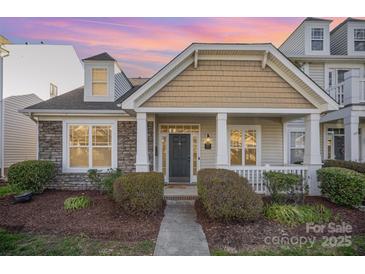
(212, 106)
(42, 70)
(335, 60)
(3, 53)
(20, 132)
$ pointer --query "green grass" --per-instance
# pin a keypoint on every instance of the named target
(6, 190)
(293, 215)
(77, 202)
(356, 249)
(23, 244)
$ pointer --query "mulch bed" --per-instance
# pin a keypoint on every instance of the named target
(102, 220)
(250, 236)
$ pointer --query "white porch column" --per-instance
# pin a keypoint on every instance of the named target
(222, 142)
(312, 154)
(142, 163)
(352, 138)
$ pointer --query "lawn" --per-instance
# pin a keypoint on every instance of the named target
(356, 249)
(26, 244)
(5, 190)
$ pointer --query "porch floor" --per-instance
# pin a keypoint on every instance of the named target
(180, 192)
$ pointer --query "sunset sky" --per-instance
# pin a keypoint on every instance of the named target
(144, 45)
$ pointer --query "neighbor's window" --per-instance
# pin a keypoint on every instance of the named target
(359, 39)
(317, 39)
(90, 146)
(248, 155)
(53, 90)
(296, 147)
(99, 82)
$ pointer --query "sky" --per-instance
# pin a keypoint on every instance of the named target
(142, 46)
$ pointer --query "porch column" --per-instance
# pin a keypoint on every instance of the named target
(312, 155)
(142, 163)
(352, 138)
(222, 142)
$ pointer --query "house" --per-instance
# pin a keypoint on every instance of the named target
(45, 71)
(212, 106)
(20, 132)
(42, 70)
(335, 60)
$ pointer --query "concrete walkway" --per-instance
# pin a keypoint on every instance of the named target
(180, 234)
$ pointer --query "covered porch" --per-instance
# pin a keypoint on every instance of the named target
(247, 143)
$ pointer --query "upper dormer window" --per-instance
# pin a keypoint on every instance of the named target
(99, 82)
(317, 39)
(359, 39)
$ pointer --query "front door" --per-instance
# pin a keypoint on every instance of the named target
(339, 143)
(179, 158)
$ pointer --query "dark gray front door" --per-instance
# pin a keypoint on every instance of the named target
(179, 158)
(339, 147)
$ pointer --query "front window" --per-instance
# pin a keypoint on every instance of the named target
(359, 39)
(296, 142)
(317, 39)
(243, 146)
(99, 82)
(90, 146)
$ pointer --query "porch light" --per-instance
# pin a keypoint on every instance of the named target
(208, 142)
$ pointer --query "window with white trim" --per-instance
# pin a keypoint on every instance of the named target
(359, 39)
(296, 146)
(99, 86)
(89, 146)
(317, 39)
(244, 146)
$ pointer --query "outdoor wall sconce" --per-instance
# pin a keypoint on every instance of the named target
(208, 142)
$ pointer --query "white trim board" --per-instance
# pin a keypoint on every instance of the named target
(230, 110)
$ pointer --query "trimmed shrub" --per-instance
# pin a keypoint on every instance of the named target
(139, 192)
(293, 215)
(283, 187)
(31, 175)
(104, 181)
(342, 186)
(76, 202)
(226, 196)
(356, 166)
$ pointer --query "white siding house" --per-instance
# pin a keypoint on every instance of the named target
(20, 132)
(41, 71)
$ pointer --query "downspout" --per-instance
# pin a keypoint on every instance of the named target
(3, 53)
(31, 116)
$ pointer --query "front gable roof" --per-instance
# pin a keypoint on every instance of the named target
(267, 54)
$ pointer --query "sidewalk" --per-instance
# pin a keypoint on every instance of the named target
(180, 234)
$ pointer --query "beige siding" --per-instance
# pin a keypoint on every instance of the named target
(316, 72)
(228, 84)
(20, 136)
(271, 141)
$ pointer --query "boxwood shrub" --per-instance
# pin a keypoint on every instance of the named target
(32, 175)
(342, 186)
(139, 192)
(226, 196)
(356, 166)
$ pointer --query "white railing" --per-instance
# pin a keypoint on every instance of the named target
(337, 93)
(255, 174)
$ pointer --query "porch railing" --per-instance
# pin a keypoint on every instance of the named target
(255, 174)
(337, 93)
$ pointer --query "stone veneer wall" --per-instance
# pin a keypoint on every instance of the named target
(50, 148)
